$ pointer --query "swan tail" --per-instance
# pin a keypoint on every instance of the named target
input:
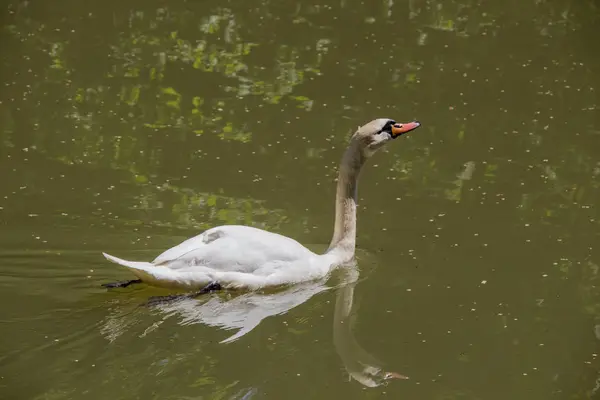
(128, 264)
(143, 270)
(162, 276)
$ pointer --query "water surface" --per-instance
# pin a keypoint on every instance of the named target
(128, 126)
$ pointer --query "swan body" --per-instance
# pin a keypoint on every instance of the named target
(234, 256)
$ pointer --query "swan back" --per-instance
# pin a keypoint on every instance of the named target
(233, 247)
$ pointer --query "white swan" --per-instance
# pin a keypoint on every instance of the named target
(235, 256)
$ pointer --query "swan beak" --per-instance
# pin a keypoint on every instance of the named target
(394, 375)
(399, 129)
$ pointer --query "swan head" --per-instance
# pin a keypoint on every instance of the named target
(375, 134)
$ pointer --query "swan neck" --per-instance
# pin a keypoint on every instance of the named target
(344, 234)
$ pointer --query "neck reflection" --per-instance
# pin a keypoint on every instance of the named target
(360, 364)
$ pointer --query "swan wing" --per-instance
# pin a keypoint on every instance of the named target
(233, 248)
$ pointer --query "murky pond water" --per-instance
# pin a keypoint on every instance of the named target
(128, 126)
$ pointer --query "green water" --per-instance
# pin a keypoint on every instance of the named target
(129, 126)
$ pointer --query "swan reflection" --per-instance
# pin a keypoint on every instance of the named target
(360, 364)
(245, 312)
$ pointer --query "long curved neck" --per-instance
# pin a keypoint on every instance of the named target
(344, 234)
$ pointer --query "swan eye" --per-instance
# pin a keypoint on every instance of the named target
(387, 127)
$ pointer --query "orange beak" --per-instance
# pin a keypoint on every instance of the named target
(399, 129)
(394, 375)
